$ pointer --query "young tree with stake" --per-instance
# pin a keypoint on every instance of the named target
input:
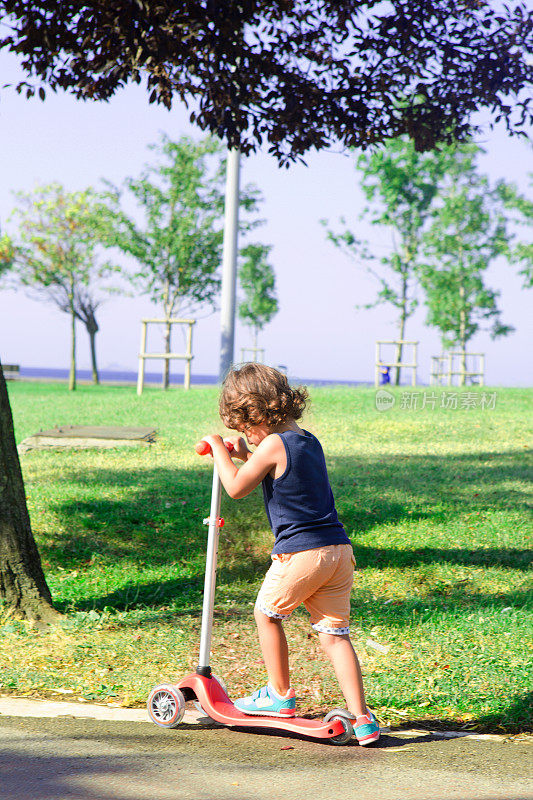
(56, 256)
(468, 231)
(177, 244)
(86, 305)
(400, 185)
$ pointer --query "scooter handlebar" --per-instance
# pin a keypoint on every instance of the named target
(203, 447)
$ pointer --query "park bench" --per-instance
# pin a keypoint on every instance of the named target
(11, 371)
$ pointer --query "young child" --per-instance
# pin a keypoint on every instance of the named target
(312, 559)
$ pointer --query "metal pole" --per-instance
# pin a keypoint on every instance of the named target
(210, 574)
(229, 263)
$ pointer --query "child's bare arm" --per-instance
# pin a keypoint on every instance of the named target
(240, 482)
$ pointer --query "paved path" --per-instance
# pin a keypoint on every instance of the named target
(70, 758)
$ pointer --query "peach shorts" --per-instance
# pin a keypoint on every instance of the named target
(321, 579)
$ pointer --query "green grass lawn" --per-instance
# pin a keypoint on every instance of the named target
(435, 501)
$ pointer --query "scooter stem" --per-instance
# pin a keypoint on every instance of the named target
(210, 578)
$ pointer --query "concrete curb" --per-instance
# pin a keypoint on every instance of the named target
(23, 707)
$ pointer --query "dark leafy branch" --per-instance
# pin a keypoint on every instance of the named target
(297, 74)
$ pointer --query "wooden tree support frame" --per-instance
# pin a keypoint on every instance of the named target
(444, 369)
(187, 356)
(258, 354)
(381, 361)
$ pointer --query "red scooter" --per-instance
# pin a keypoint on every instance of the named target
(166, 702)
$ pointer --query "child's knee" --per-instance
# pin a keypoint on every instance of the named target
(330, 640)
(262, 618)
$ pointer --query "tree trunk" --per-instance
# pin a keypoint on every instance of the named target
(166, 366)
(401, 332)
(91, 326)
(462, 377)
(399, 351)
(92, 339)
(23, 586)
(462, 334)
(72, 375)
(86, 314)
(168, 306)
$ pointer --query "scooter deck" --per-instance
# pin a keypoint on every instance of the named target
(217, 704)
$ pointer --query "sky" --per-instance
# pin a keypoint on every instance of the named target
(318, 333)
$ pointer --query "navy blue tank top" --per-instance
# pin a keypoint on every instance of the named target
(299, 504)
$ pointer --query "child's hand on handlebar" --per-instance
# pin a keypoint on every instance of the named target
(205, 446)
(211, 438)
(240, 448)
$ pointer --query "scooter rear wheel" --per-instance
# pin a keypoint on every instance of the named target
(166, 705)
(343, 717)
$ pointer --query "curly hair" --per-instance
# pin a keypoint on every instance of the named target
(255, 394)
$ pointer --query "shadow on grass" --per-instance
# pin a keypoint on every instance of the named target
(156, 521)
(516, 717)
(174, 598)
(178, 595)
(430, 486)
(402, 612)
(513, 557)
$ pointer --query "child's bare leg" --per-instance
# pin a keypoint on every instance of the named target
(275, 651)
(340, 652)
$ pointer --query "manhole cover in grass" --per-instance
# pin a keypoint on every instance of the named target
(81, 436)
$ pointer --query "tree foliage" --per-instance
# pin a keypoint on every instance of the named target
(176, 236)
(6, 253)
(448, 225)
(258, 283)
(468, 231)
(400, 185)
(296, 73)
(520, 211)
(56, 254)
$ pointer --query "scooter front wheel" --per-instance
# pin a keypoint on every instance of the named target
(166, 705)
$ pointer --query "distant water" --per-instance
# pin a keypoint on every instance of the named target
(124, 376)
(109, 375)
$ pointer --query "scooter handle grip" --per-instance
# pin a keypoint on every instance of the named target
(203, 447)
